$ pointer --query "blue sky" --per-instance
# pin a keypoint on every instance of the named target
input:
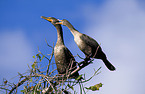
(117, 24)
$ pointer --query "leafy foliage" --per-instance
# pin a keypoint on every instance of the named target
(95, 87)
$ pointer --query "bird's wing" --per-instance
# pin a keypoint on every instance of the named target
(70, 57)
(69, 54)
(89, 41)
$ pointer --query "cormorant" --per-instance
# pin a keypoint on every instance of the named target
(63, 57)
(87, 45)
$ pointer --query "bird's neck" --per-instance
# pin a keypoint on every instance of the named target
(72, 29)
(59, 35)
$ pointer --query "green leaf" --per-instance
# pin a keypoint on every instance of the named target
(95, 87)
(43, 56)
(39, 57)
(31, 80)
(33, 65)
(23, 91)
(70, 86)
(79, 77)
(34, 56)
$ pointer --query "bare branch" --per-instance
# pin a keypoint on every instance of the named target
(20, 83)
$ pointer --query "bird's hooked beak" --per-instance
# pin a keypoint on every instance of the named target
(60, 22)
(46, 18)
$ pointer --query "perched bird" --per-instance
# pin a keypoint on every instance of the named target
(87, 45)
(63, 57)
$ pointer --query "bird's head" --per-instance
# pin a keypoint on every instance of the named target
(63, 22)
(50, 19)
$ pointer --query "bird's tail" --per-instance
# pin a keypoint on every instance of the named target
(109, 65)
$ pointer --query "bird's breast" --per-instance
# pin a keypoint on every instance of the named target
(78, 40)
(58, 49)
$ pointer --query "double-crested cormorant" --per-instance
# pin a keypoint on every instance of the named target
(63, 57)
(87, 45)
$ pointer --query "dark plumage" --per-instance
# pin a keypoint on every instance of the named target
(87, 44)
(63, 57)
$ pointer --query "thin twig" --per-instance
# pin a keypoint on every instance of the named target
(52, 53)
(18, 84)
(48, 44)
(44, 76)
